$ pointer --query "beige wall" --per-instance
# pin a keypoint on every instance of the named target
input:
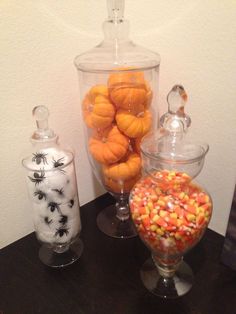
(39, 40)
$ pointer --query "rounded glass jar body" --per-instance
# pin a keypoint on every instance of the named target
(171, 213)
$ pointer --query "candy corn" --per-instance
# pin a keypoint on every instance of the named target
(170, 213)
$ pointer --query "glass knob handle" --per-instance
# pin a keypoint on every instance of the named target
(177, 98)
(41, 115)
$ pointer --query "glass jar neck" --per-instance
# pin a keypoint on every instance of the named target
(116, 30)
(45, 143)
(115, 27)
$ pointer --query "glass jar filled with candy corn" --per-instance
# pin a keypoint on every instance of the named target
(118, 87)
(169, 209)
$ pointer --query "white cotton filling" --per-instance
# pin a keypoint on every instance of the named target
(54, 187)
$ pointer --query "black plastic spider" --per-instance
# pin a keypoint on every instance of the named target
(47, 221)
(38, 177)
(40, 194)
(61, 232)
(53, 206)
(71, 203)
(60, 192)
(58, 163)
(63, 219)
(40, 157)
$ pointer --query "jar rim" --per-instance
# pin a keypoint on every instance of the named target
(204, 148)
(71, 158)
(85, 69)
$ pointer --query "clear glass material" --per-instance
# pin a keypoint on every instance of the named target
(170, 210)
(118, 87)
(52, 189)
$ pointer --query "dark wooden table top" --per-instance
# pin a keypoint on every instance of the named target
(106, 278)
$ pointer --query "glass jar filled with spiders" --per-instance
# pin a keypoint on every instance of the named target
(51, 182)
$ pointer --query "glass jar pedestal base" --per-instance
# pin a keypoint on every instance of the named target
(61, 256)
(109, 223)
(169, 287)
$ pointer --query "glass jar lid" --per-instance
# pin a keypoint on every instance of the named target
(116, 50)
(169, 147)
(47, 155)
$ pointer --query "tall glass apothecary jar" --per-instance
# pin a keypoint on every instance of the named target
(119, 87)
(170, 210)
(52, 189)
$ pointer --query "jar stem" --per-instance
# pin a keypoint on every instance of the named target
(122, 207)
(167, 270)
(61, 248)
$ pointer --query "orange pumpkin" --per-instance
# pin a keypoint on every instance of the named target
(128, 97)
(98, 90)
(149, 96)
(137, 109)
(87, 108)
(109, 145)
(133, 125)
(120, 186)
(98, 111)
(124, 77)
(127, 89)
(125, 169)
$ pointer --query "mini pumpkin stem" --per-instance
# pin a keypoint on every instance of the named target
(140, 114)
(122, 207)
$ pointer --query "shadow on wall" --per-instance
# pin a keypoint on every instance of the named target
(98, 188)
